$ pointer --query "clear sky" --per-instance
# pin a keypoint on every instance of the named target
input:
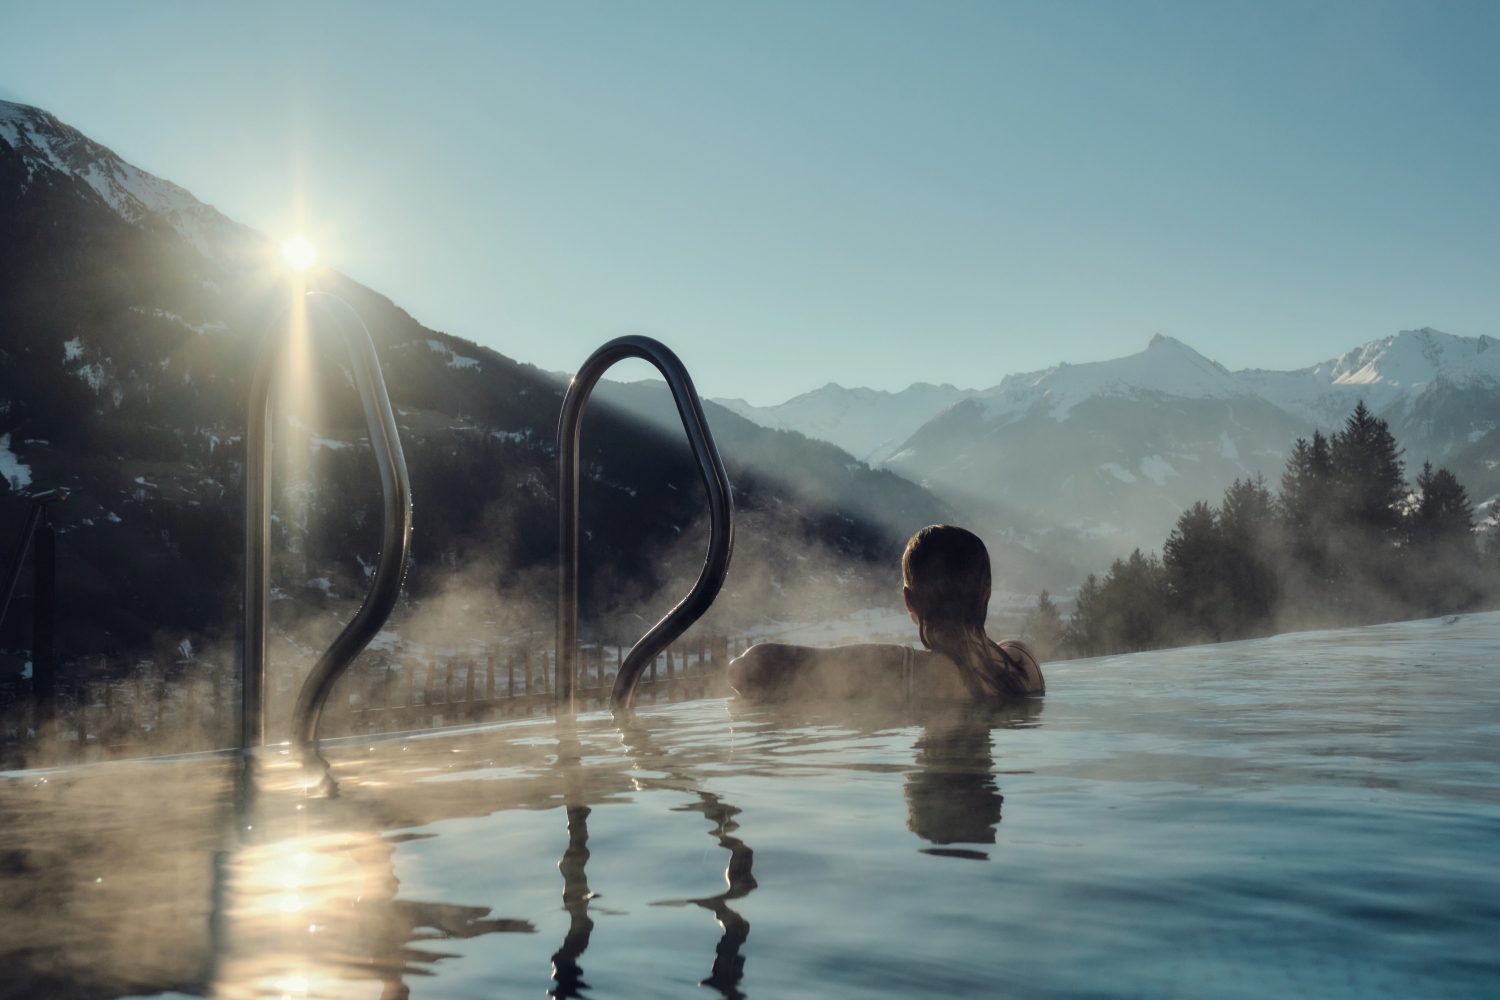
(796, 193)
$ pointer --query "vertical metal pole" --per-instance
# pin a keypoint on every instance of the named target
(44, 626)
(18, 557)
(81, 718)
(257, 545)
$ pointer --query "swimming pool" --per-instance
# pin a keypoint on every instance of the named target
(1307, 815)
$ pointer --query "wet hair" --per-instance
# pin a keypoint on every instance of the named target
(946, 571)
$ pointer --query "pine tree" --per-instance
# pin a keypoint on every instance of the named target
(1043, 627)
(1133, 599)
(1371, 482)
(1247, 528)
(1442, 560)
(1306, 485)
(1443, 516)
(1082, 635)
(1193, 557)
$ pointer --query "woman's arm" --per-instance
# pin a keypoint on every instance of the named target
(1030, 667)
(774, 670)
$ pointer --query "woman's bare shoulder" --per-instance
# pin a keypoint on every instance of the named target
(779, 670)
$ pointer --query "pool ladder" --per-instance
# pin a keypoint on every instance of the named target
(720, 509)
(395, 542)
(385, 585)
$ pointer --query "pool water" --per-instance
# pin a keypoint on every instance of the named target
(1308, 815)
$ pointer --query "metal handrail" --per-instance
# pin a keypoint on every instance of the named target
(720, 504)
(37, 534)
(36, 512)
(395, 542)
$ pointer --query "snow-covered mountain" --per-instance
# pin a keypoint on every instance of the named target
(1439, 392)
(869, 424)
(1116, 449)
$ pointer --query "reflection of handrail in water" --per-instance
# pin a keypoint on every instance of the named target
(729, 966)
(721, 516)
(566, 971)
(395, 542)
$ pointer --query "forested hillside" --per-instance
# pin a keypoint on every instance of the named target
(1345, 540)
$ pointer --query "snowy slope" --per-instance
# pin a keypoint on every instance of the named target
(1167, 366)
(52, 150)
(1384, 373)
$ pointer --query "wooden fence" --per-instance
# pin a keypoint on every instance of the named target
(154, 709)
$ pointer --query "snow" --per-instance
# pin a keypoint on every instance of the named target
(455, 360)
(46, 144)
(73, 349)
(1382, 372)
(93, 374)
(1157, 469)
(1167, 366)
(12, 469)
(873, 424)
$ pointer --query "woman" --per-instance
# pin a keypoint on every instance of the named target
(945, 575)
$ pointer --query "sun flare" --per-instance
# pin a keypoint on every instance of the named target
(299, 253)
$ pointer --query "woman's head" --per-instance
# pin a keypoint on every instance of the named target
(945, 573)
(945, 576)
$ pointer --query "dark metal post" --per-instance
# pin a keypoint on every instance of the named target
(36, 514)
(721, 516)
(18, 557)
(44, 627)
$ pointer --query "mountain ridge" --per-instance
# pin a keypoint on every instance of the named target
(1383, 371)
(1107, 454)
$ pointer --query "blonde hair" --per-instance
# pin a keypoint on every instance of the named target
(946, 572)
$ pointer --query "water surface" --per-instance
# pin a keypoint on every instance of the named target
(1309, 815)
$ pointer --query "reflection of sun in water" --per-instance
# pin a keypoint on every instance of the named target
(299, 252)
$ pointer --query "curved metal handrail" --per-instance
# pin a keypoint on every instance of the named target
(721, 516)
(395, 541)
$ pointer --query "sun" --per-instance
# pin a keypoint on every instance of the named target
(299, 253)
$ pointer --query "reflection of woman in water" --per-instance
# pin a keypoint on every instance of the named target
(951, 793)
(951, 796)
(945, 575)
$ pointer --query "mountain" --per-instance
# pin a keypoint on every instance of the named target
(130, 314)
(1101, 463)
(1440, 393)
(832, 476)
(868, 423)
(1090, 460)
